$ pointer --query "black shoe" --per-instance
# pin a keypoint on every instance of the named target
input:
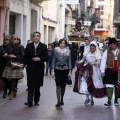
(36, 103)
(29, 104)
(27, 89)
(57, 105)
(4, 95)
(91, 102)
(108, 104)
(62, 103)
(116, 103)
(26, 103)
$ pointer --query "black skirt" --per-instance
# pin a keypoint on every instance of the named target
(111, 77)
(61, 77)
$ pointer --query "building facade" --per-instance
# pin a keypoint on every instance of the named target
(116, 19)
(104, 28)
(55, 20)
(23, 17)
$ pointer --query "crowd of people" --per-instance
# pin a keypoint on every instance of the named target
(97, 64)
(97, 70)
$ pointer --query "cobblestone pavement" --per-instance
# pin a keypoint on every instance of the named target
(74, 108)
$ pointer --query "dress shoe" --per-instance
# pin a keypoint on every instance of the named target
(116, 104)
(4, 95)
(108, 103)
(62, 103)
(57, 105)
(91, 102)
(37, 104)
(29, 104)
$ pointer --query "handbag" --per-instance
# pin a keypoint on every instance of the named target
(69, 81)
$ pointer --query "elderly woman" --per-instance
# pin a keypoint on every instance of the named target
(14, 60)
(61, 65)
(88, 80)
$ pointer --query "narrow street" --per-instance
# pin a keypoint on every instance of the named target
(74, 108)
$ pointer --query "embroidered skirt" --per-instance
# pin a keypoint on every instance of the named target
(111, 77)
(13, 73)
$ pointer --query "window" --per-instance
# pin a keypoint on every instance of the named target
(101, 10)
(100, 25)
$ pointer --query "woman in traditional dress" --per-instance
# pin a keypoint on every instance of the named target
(88, 80)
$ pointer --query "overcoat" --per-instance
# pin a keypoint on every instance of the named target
(35, 70)
(2, 61)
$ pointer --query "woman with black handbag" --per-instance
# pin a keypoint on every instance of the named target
(14, 63)
(61, 66)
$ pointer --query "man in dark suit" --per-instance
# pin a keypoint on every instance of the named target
(35, 56)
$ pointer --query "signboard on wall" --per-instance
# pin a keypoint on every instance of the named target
(71, 1)
(97, 14)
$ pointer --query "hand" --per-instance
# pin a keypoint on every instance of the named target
(91, 63)
(36, 59)
(5, 54)
(103, 74)
(25, 66)
(79, 62)
(53, 74)
(69, 74)
(12, 56)
(22, 65)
